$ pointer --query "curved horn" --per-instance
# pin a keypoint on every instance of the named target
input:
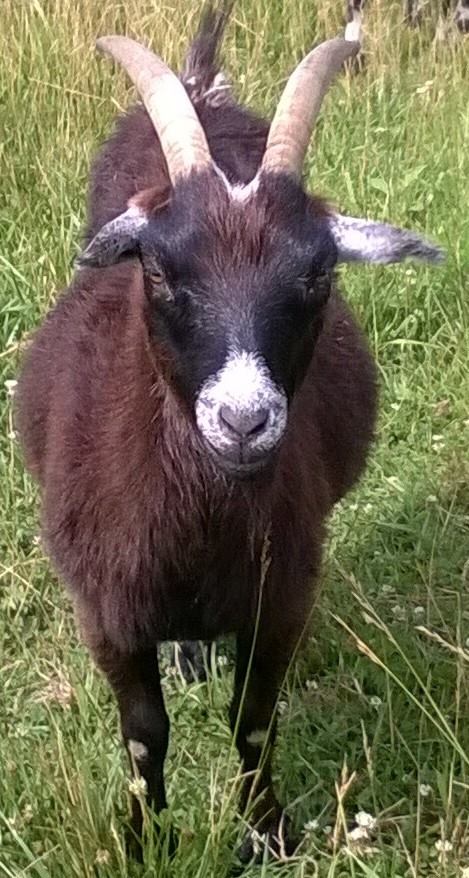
(296, 114)
(181, 135)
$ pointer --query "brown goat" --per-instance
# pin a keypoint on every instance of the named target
(201, 396)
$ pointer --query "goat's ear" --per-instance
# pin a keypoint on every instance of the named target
(115, 239)
(361, 240)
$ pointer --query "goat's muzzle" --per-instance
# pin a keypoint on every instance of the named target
(241, 414)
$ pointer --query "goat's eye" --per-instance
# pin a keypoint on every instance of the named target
(321, 286)
(159, 288)
(317, 286)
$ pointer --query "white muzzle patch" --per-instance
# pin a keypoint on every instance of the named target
(240, 411)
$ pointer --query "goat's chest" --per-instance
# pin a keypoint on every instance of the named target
(195, 573)
(208, 585)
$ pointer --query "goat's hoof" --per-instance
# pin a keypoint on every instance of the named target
(133, 845)
(276, 842)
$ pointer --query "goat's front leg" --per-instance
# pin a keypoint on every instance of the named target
(136, 682)
(258, 677)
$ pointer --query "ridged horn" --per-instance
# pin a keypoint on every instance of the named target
(299, 106)
(181, 135)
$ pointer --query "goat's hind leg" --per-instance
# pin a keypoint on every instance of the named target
(192, 659)
(136, 683)
(353, 31)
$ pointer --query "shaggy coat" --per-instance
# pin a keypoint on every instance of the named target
(151, 538)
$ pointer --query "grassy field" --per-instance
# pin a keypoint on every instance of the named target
(375, 719)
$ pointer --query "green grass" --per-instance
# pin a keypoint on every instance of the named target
(378, 705)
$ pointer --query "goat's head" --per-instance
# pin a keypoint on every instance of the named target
(237, 277)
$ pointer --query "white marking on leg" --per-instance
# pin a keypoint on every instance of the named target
(257, 737)
(137, 750)
(353, 29)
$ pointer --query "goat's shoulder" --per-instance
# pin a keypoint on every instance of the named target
(339, 397)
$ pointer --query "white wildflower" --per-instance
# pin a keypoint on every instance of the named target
(222, 660)
(425, 88)
(311, 826)
(282, 707)
(58, 689)
(425, 790)
(387, 589)
(360, 833)
(28, 813)
(103, 857)
(398, 613)
(437, 437)
(443, 846)
(376, 702)
(365, 820)
(419, 612)
(311, 685)
(138, 787)
(10, 385)
(432, 498)
(12, 435)
(443, 407)
(327, 830)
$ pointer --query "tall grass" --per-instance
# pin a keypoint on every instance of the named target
(375, 717)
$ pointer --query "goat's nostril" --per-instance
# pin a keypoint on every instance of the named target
(243, 423)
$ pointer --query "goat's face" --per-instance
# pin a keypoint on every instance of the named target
(236, 291)
(236, 282)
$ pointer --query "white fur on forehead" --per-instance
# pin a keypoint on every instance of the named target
(361, 240)
(240, 192)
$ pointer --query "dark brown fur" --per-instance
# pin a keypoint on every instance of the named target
(151, 539)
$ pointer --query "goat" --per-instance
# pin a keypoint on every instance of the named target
(201, 396)
(413, 10)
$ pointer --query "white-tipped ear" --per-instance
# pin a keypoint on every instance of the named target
(361, 240)
(115, 239)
